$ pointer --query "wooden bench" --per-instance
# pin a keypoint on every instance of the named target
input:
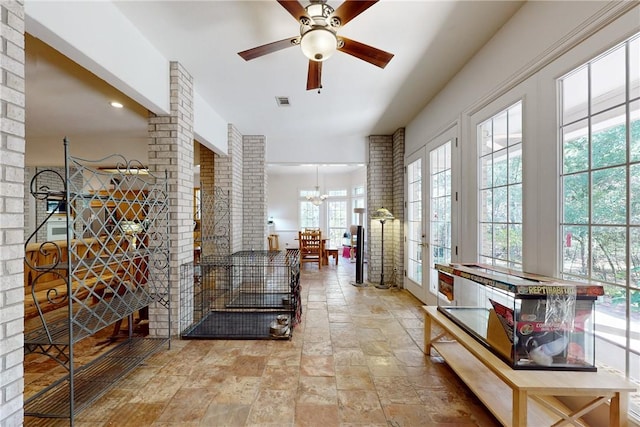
(523, 397)
(330, 252)
(46, 291)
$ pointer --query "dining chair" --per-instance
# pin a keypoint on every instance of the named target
(310, 246)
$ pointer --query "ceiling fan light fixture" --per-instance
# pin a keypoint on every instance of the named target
(319, 43)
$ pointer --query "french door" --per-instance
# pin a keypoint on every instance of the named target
(430, 212)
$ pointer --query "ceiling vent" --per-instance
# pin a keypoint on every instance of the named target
(282, 101)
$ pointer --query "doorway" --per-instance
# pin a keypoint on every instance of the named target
(430, 212)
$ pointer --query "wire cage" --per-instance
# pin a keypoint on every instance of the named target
(245, 295)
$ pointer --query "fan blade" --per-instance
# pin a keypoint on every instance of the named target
(352, 8)
(256, 52)
(315, 75)
(365, 52)
(294, 8)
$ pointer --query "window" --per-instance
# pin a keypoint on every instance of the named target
(337, 210)
(309, 213)
(357, 201)
(600, 181)
(440, 221)
(500, 194)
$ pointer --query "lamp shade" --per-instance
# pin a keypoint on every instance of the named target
(382, 215)
(318, 44)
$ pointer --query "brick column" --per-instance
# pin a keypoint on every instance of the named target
(385, 188)
(171, 149)
(398, 207)
(254, 229)
(12, 174)
(228, 176)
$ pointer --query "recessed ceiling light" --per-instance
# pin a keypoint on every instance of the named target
(116, 104)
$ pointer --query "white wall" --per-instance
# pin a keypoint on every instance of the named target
(282, 198)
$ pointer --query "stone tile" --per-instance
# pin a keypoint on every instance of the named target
(226, 415)
(317, 366)
(238, 390)
(360, 406)
(354, 378)
(396, 390)
(280, 377)
(317, 391)
(187, 405)
(316, 415)
(273, 407)
(349, 356)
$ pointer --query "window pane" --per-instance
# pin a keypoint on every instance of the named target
(634, 71)
(575, 96)
(338, 193)
(515, 243)
(486, 172)
(575, 147)
(515, 164)
(609, 138)
(608, 248)
(485, 137)
(500, 175)
(500, 204)
(309, 215)
(608, 80)
(634, 171)
(486, 206)
(515, 204)
(500, 241)
(575, 250)
(634, 240)
(609, 196)
(634, 112)
(576, 198)
(500, 195)
(500, 131)
(486, 240)
(515, 124)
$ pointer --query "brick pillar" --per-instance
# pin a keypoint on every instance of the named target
(12, 174)
(398, 207)
(207, 188)
(228, 176)
(171, 149)
(254, 181)
(385, 188)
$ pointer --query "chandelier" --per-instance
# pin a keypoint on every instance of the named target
(317, 198)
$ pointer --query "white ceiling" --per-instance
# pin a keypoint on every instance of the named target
(431, 41)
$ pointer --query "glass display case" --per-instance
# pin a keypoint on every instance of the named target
(529, 321)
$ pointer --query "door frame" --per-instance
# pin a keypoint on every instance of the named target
(423, 291)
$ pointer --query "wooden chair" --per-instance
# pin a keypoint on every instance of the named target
(310, 246)
(273, 242)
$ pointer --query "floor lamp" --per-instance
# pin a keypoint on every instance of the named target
(382, 215)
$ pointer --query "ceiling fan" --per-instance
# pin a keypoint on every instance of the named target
(318, 37)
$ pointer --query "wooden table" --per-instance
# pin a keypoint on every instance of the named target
(524, 397)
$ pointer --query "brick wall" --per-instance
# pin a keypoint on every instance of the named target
(171, 149)
(228, 176)
(385, 188)
(254, 229)
(12, 149)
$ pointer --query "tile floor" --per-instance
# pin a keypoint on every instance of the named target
(355, 360)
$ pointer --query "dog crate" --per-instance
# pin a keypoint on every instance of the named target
(245, 295)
